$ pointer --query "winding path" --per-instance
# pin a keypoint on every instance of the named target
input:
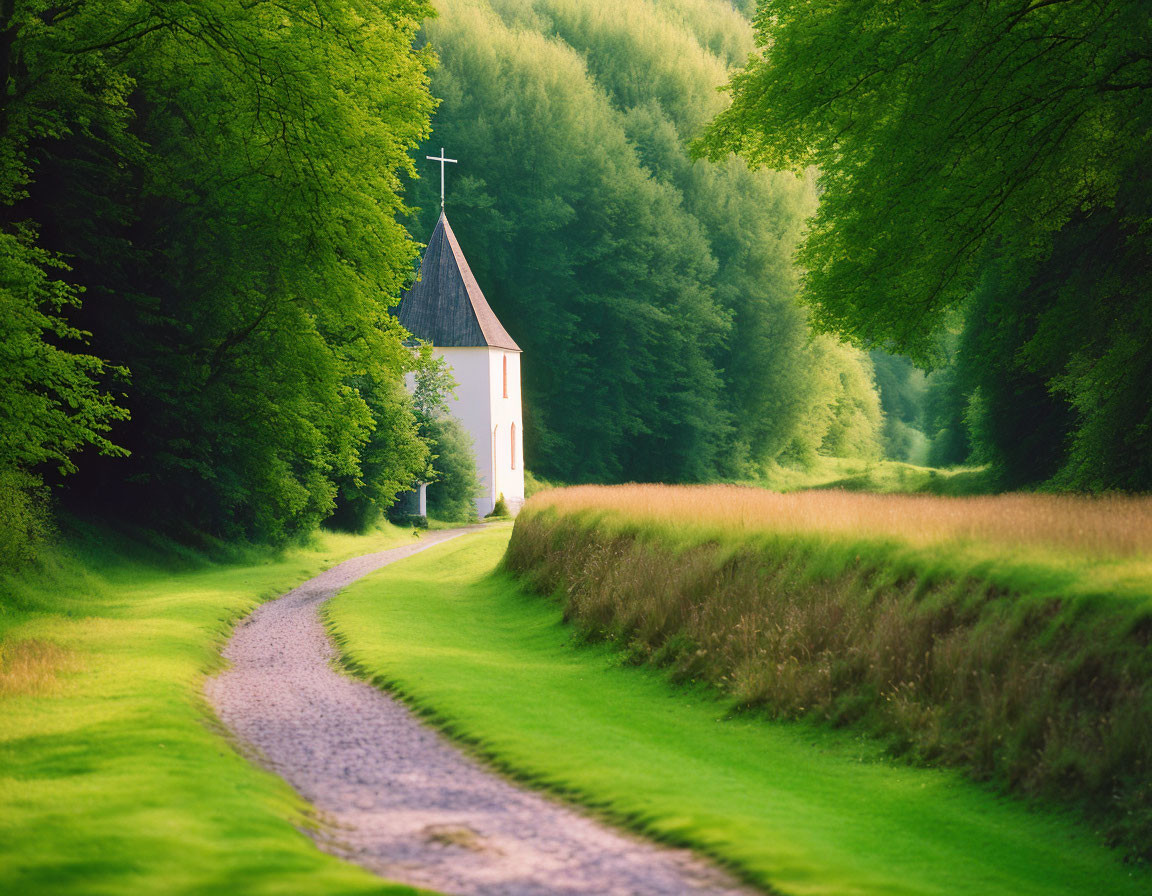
(395, 796)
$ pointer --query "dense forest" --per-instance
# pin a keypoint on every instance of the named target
(654, 297)
(201, 232)
(985, 198)
(934, 248)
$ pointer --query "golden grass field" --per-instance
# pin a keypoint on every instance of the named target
(1104, 527)
(1007, 635)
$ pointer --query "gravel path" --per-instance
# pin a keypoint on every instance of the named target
(399, 799)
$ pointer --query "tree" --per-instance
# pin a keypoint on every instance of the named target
(960, 140)
(653, 297)
(232, 216)
(55, 396)
(453, 483)
(902, 389)
(51, 400)
(454, 488)
(433, 384)
(389, 461)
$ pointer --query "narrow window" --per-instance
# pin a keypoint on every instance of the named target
(506, 379)
(513, 446)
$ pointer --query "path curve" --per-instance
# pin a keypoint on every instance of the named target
(395, 796)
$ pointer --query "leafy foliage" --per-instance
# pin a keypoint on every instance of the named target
(500, 509)
(985, 162)
(902, 389)
(54, 395)
(433, 384)
(51, 399)
(653, 297)
(225, 180)
(453, 492)
(389, 457)
(25, 521)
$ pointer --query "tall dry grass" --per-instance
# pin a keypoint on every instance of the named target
(32, 666)
(1111, 526)
(1047, 694)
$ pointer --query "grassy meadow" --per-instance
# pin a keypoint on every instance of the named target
(869, 475)
(845, 474)
(1094, 529)
(1007, 636)
(113, 776)
(793, 807)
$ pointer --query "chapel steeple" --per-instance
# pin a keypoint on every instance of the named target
(447, 308)
(446, 305)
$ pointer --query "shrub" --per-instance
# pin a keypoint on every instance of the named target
(415, 520)
(25, 519)
(452, 494)
(534, 484)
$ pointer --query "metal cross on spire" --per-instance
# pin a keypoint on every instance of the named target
(440, 158)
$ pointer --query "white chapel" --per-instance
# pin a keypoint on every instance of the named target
(447, 308)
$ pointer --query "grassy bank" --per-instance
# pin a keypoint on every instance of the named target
(1007, 636)
(882, 476)
(112, 777)
(797, 809)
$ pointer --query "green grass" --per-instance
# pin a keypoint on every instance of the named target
(1004, 636)
(880, 476)
(113, 779)
(792, 807)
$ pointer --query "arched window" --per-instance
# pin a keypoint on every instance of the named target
(506, 379)
(513, 446)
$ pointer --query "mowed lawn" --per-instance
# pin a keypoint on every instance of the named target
(112, 777)
(793, 808)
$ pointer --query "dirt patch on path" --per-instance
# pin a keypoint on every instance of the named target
(399, 799)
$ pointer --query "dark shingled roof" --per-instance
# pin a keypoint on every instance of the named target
(445, 306)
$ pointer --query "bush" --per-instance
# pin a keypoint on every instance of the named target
(500, 508)
(415, 520)
(452, 494)
(534, 484)
(25, 518)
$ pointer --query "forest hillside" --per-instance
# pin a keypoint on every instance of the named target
(654, 296)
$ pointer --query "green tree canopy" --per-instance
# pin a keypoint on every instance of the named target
(224, 181)
(981, 165)
(941, 131)
(654, 297)
(455, 485)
